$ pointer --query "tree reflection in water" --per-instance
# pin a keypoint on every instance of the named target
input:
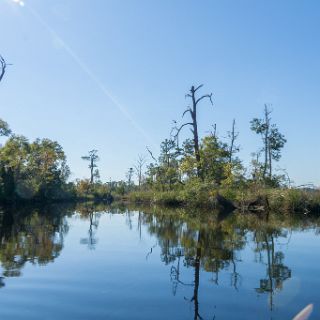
(87, 212)
(196, 243)
(204, 242)
(36, 235)
(213, 244)
(276, 271)
(30, 235)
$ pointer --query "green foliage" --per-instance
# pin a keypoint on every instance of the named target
(214, 158)
(170, 198)
(234, 175)
(165, 174)
(188, 163)
(47, 166)
(4, 128)
(276, 142)
(273, 142)
(85, 190)
(120, 188)
(32, 170)
(176, 168)
(197, 192)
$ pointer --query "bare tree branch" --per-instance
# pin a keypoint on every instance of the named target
(151, 154)
(196, 89)
(181, 127)
(233, 135)
(209, 96)
(141, 161)
(188, 110)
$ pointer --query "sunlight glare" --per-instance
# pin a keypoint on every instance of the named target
(19, 2)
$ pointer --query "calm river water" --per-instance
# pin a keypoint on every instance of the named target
(90, 262)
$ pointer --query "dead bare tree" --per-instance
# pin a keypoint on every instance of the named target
(192, 110)
(233, 135)
(3, 66)
(139, 168)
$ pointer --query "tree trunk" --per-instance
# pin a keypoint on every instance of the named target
(266, 141)
(233, 137)
(91, 170)
(195, 133)
(270, 161)
(193, 112)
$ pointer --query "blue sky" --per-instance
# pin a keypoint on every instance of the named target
(113, 74)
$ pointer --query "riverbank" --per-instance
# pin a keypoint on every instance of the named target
(257, 200)
(90, 198)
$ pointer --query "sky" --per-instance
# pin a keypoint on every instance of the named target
(111, 75)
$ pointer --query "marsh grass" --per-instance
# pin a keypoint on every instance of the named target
(285, 201)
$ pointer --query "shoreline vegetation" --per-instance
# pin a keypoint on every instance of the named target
(194, 171)
(284, 201)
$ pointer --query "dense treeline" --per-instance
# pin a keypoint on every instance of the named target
(35, 169)
(195, 170)
(38, 171)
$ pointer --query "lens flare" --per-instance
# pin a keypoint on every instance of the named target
(86, 69)
(19, 2)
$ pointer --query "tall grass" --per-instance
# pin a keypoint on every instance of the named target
(280, 200)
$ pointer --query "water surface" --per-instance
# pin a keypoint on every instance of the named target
(90, 262)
